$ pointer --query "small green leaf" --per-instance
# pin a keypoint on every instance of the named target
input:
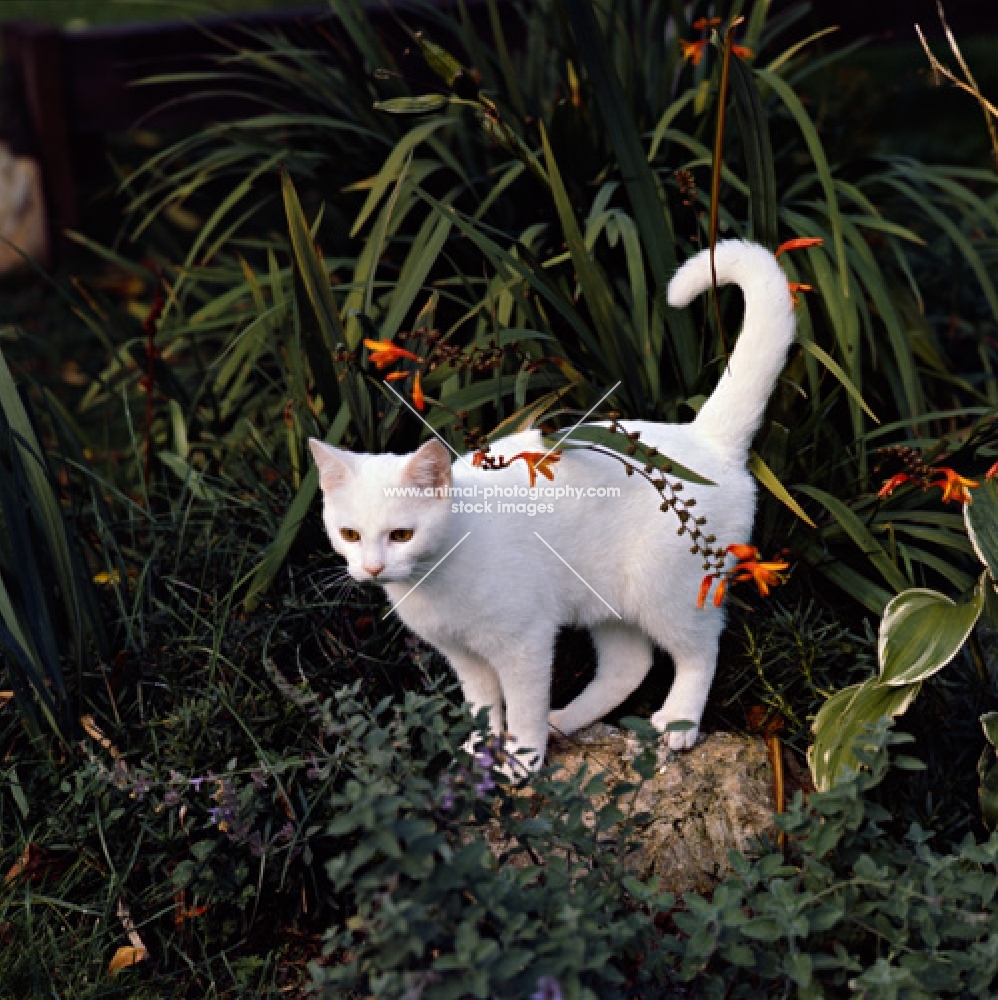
(421, 105)
(920, 633)
(439, 60)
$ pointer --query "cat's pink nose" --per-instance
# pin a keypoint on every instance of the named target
(374, 570)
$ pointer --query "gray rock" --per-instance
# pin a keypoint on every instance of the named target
(702, 803)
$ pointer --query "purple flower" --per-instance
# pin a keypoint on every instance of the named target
(171, 798)
(447, 801)
(259, 777)
(484, 759)
(486, 784)
(548, 988)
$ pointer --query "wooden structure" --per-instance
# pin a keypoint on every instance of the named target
(72, 88)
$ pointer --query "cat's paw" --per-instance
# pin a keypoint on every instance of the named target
(677, 734)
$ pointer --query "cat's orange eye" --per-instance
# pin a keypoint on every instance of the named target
(401, 534)
(349, 535)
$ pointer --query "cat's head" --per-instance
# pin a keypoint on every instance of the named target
(385, 537)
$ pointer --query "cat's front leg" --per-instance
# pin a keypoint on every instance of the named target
(480, 685)
(526, 688)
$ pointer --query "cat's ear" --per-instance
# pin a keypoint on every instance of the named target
(429, 468)
(333, 464)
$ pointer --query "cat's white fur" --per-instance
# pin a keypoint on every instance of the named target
(494, 605)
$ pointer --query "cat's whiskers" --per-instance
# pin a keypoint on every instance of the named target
(335, 585)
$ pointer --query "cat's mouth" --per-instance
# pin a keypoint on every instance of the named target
(382, 578)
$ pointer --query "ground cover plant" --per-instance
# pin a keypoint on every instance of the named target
(226, 773)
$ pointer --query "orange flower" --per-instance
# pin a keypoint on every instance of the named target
(693, 50)
(801, 243)
(704, 589)
(748, 567)
(418, 399)
(703, 23)
(538, 462)
(765, 574)
(893, 483)
(795, 287)
(954, 486)
(395, 376)
(385, 353)
(992, 472)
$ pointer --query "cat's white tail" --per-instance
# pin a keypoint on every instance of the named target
(735, 409)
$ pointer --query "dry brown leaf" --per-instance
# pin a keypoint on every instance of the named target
(33, 864)
(125, 956)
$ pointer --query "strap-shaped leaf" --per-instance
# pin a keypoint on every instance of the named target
(421, 105)
(981, 518)
(590, 434)
(525, 418)
(921, 631)
(649, 209)
(860, 534)
(769, 479)
(758, 150)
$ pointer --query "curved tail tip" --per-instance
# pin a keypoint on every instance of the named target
(687, 282)
(731, 257)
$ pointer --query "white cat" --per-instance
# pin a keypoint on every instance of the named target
(492, 588)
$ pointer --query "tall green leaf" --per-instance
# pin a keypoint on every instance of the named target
(759, 165)
(649, 210)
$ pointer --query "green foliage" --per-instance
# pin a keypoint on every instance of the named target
(790, 660)
(528, 210)
(852, 907)
(596, 140)
(49, 620)
(459, 886)
(921, 631)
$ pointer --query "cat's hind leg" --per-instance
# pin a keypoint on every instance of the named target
(624, 658)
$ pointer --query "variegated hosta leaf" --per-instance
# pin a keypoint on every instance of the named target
(981, 517)
(842, 721)
(920, 633)
(987, 769)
